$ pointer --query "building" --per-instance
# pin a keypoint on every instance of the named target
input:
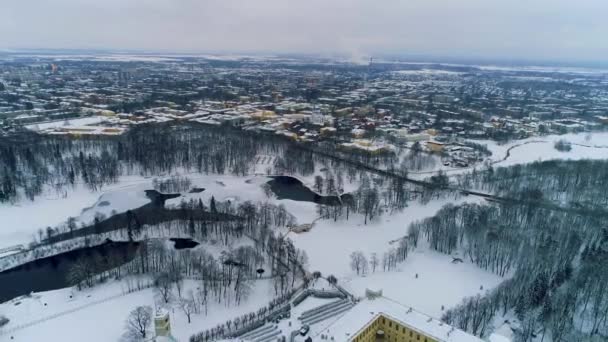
(263, 115)
(368, 146)
(435, 146)
(378, 318)
(327, 131)
(414, 137)
(162, 324)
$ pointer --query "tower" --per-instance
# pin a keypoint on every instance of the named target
(369, 70)
(162, 324)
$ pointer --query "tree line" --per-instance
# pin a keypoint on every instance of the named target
(554, 259)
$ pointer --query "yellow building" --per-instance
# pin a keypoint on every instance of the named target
(263, 115)
(380, 319)
(435, 146)
(388, 329)
(162, 324)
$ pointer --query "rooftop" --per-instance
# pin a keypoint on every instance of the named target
(366, 311)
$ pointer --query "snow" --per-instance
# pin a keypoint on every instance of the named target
(71, 123)
(346, 326)
(498, 338)
(328, 245)
(354, 235)
(21, 220)
(293, 323)
(117, 201)
(103, 310)
(556, 69)
(584, 146)
(503, 333)
(19, 225)
(439, 282)
(426, 71)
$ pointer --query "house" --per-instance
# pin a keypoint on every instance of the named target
(263, 115)
(435, 146)
(327, 131)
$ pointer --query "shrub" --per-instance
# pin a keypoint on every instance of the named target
(3, 321)
(563, 145)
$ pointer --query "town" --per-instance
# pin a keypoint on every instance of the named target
(257, 198)
(381, 107)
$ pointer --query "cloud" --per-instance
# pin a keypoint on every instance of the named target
(543, 29)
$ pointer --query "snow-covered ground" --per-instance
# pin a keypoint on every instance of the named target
(21, 220)
(98, 314)
(71, 123)
(439, 283)
(329, 244)
(586, 145)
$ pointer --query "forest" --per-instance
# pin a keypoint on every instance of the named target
(549, 241)
(555, 260)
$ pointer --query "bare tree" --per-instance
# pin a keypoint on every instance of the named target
(358, 262)
(162, 283)
(318, 183)
(188, 306)
(3, 320)
(138, 322)
(373, 261)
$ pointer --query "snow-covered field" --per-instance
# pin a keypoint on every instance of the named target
(584, 146)
(98, 314)
(329, 244)
(439, 282)
(21, 220)
(71, 123)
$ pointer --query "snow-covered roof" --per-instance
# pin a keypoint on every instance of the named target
(366, 311)
(161, 313)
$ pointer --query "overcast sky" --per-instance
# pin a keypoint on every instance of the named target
(525, 29)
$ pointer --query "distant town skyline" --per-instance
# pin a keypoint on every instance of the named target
(553, 30)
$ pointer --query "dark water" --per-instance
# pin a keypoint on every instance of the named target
(183, 243)
(50, 273)
(158, 199)
(285, 187)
